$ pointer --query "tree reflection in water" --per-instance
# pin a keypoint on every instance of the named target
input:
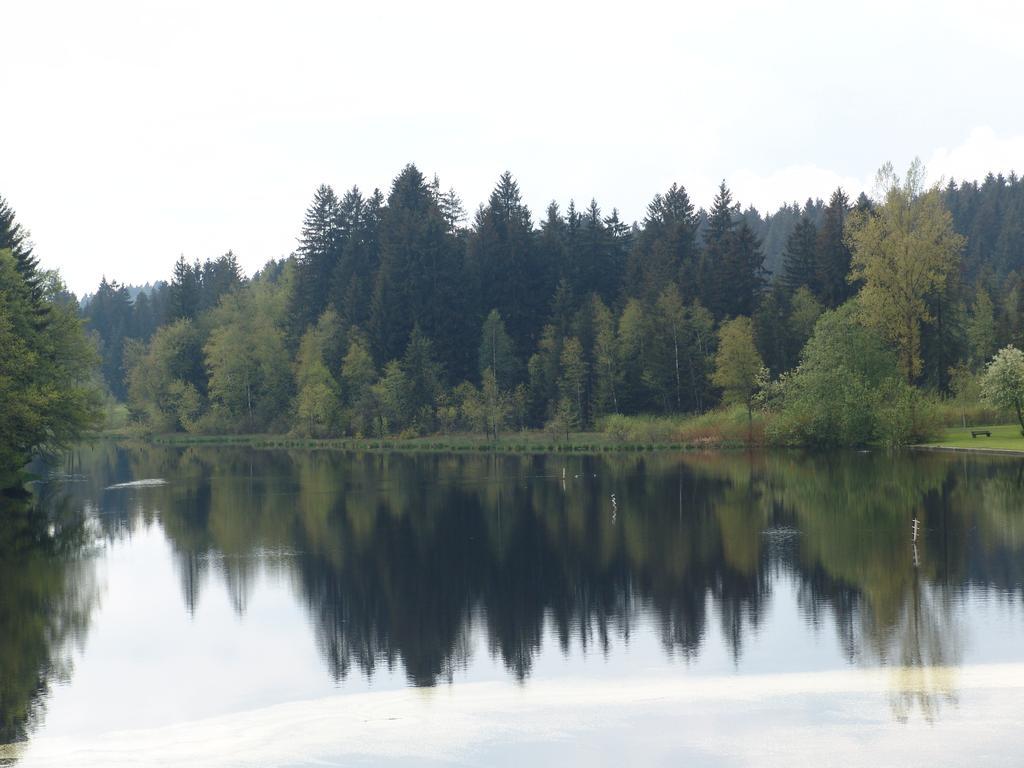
(48, 591)
(402, 560)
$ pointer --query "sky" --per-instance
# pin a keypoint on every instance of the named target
(136, 131)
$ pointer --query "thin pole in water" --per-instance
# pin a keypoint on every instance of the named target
(915, 530)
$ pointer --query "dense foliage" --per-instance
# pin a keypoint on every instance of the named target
(848, 389)
(48, 395)
(397, 315)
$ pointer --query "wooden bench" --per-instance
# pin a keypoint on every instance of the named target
(976, 432)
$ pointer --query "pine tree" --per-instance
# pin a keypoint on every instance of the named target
(800, 260)
(353, 279)
(218, 277)
(109, 315)
(745, 272)
(715, 290)
(16, 239)
(349, 222)
(666, 248)
(834, 255)
(599, 263)
(562, 304)
(419, 279)
(552, 256)
(184, 291)
(503, 251)
(320, 246)
(452, 209)
(143, 319)
(620, 238)
(424, 376)
(573, 270)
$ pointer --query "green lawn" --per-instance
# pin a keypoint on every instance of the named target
(1004, 437)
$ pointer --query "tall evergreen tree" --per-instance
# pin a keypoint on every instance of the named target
(15, 238)
(503, 251)
(109, 316)
(344, 281)
(418, 282)
(666, 247)
(834, 253)
(714, 271)
(800, 260)
(217, 277)
(319, 249)
(600, 263)
(185, 290)
(745, 272)
(424, 377)
(353, 280)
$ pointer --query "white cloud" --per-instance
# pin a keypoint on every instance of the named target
(983, 152)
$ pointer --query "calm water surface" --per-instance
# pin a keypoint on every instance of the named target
(234, 607)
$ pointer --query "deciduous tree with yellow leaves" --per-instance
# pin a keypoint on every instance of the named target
(904, 252)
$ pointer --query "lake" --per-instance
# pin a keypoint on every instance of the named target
(221, 606)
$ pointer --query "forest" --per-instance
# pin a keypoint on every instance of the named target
(838, 322)
(49, 390)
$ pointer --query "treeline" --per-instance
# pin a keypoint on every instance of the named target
(397, 315)
(48, 391)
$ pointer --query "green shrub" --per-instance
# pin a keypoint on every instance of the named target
(848, 391)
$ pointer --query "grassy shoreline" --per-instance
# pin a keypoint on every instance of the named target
(727, 429)
(1006, 439)
(519, 442)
